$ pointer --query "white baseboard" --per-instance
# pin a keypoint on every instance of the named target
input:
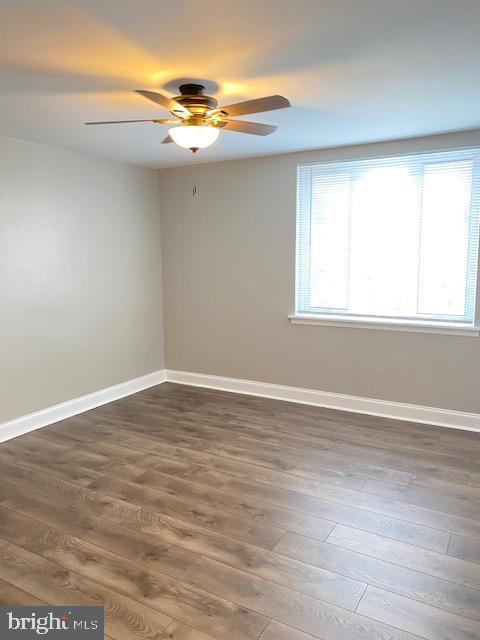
(354, 404)
(327, 399)
(32, 421)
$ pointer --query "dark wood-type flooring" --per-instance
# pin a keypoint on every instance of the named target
(194, 514)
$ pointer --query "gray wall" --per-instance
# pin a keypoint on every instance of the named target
(80, 275)
(228, 265)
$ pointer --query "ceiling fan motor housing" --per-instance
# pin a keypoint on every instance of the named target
(193, 98)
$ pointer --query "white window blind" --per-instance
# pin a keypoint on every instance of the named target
(392, 238)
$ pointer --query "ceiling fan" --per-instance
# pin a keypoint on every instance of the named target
(199, 118)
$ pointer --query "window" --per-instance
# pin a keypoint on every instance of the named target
(389, 239)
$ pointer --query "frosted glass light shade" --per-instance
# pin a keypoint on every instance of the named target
(193, 136)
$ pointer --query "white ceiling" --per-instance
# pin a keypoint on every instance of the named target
(354, 70)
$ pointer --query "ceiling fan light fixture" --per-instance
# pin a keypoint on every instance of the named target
(194, 136)
(199, 118)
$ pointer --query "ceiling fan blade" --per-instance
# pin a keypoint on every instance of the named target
(164, 101)
(167, 140)
(254, 106)
(127, 121)
(255, 128)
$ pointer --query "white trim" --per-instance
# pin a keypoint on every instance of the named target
(354, 404)
(32, 421)
(384, 324)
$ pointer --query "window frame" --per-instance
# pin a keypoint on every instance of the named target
(338, 317)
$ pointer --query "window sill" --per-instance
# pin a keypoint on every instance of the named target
(384, 324)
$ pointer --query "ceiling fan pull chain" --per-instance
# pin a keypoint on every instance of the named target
(194, 173)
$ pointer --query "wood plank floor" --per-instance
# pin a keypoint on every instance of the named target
(193, 514)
